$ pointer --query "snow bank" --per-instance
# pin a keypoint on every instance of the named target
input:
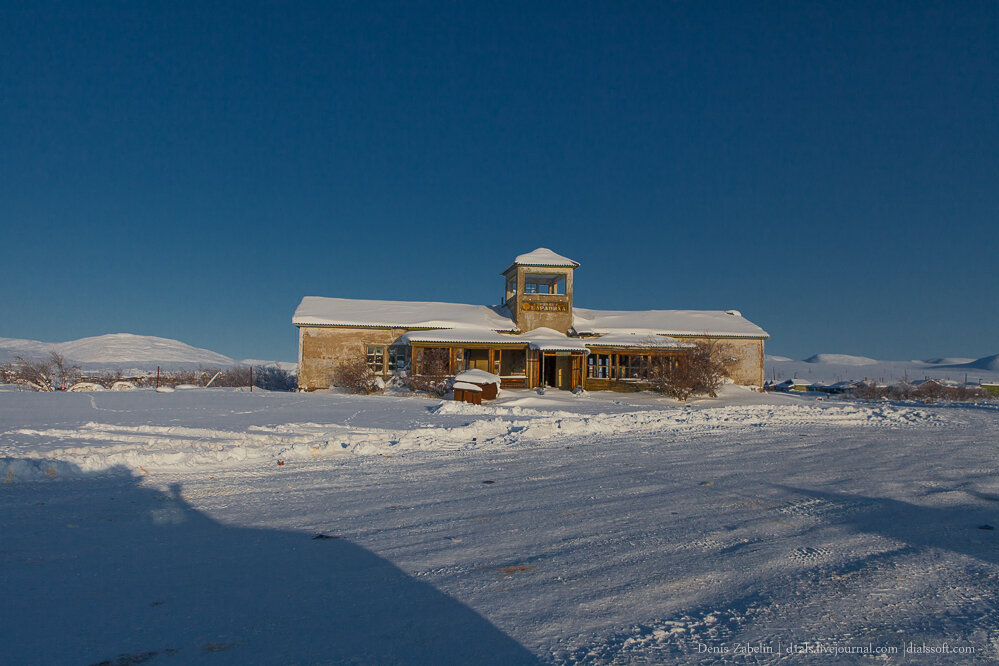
(99, 446)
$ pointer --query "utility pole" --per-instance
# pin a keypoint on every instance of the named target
(251, 379)
(157, 377)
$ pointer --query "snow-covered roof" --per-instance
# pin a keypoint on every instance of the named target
(462, 335)
(550, 340)
(475, 376)
(721, 323)
(637, 340)
(543, 257)
(321, 311)
(479, 323)
(465, 386)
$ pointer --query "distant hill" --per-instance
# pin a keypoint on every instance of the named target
(984, 363)
(831, 368)
(841, 359)
(123, 351)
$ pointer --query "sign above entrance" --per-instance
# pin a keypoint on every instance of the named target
(544, 306)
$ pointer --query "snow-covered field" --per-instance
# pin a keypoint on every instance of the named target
(182, 528)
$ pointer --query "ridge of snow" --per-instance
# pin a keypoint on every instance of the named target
(97, 446)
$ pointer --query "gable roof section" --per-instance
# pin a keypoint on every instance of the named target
(721, 323)
(321, 311)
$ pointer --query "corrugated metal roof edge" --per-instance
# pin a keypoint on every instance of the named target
(698, 334)
(384, 326)
(572, 265)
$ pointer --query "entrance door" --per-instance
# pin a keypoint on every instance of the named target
(563, 373)
(556, 372)
(549, 370)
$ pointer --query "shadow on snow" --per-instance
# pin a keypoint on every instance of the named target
(104, 570)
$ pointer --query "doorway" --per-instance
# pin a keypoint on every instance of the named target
(556, 372)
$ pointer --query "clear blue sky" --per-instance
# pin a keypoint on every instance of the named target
(191, 170)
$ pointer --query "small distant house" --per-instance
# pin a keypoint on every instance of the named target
(844, 386)
(794, 384)
(536, 337)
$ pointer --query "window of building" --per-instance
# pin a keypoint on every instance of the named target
(376, 358)
(632, 366)
(511, 287)
(544, 283)
(513, 362)
(398, 360)
(598, 366)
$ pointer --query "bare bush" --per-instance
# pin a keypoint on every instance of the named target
(699, 372)
(51, 374)
(927, 392)
(107, 378)
(355, 376)
(867, 391)
(268, 377)
(7, 373)
(273, 378)
(65, 374)
(435, 368)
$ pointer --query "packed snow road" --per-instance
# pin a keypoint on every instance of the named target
(540, 529)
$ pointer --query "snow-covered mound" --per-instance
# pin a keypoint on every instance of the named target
(96, 446)
(126, 347)
(119, 350)
(770, 357)
(840, 359)
(985, 363)
(947, 360)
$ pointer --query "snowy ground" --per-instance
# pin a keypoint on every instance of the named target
(160, 528)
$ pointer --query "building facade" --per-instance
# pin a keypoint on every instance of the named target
(535, 337)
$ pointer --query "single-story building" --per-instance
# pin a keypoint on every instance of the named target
(534, 337)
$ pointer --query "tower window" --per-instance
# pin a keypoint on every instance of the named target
(544, 283)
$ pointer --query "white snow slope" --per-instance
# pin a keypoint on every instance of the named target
(123, 351)
(181, 527)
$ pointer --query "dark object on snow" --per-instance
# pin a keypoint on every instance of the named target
(488, 482)
(986, 527)
(325, 536)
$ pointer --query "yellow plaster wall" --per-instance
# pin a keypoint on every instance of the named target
(748, 366)
(321, 348)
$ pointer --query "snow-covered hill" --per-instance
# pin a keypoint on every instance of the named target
(840, 359)
(123, 351)
(829, 368)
